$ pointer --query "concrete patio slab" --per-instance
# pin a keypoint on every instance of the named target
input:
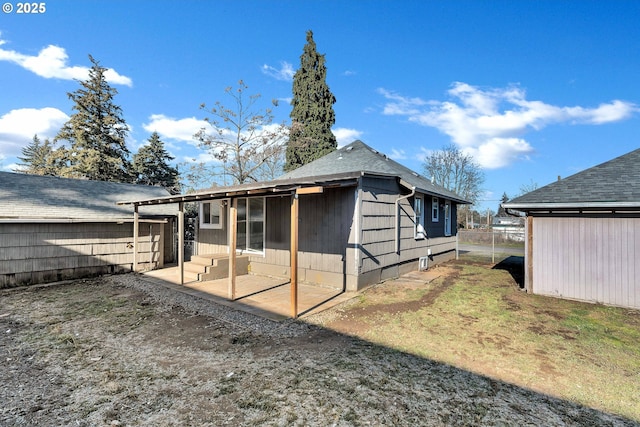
(264, 296)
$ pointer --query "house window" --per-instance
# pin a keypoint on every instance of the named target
(418, 208)
(250, 226)
(212, 214)
(435, 213)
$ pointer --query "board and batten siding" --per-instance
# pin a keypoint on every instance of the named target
(325, 229)
(588, 258)
(32, 253)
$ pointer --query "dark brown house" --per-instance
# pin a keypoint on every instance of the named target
(361, 218)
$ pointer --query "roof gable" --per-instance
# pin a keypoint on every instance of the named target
(359, 157)
(616, 182)
(38, 197)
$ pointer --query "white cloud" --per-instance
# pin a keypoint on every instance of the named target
(285, 73)
(51, 62)
(177, 129)
(398, 154)
(400, 105)
(499, 152)
(346, 136)
(18, 127)
(490, 123)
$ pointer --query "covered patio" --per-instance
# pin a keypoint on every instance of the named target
(263, 296)
(298, 297)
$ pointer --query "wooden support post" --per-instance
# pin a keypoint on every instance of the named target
(294, 256)
(161, 245)
(233, 239)
(136, 231)
(181, 241)
(493, 246)
(528, 276)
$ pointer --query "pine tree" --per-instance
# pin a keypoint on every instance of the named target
(151, 166)
(96, 132)
(312, 115)
(37, 158)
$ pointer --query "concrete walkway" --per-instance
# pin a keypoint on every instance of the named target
(267, 297)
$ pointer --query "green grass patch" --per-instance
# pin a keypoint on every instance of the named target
(481, 321)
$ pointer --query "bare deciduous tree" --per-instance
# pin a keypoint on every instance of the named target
(527, 188)
(456, 172)
(244, 139)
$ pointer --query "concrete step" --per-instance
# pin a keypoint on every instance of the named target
(194, 268)
(208, 259)
(221, 268)
(190, 276)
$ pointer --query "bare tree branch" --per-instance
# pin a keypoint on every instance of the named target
(243, 138)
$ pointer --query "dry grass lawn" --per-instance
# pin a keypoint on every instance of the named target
(468, 348)
(474, 317)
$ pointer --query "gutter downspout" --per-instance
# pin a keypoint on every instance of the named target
(398, 200)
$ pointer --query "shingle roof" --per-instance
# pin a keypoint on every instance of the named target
(46, 197)
(613, 183)
(359, 157)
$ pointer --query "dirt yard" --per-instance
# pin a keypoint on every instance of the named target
(116, 351)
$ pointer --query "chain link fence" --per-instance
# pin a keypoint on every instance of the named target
(491, 244)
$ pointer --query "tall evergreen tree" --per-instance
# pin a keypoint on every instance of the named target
(38, 159)
(96, 132)
(312, 115)
(151, 166)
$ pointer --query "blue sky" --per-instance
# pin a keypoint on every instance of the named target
(532, 89)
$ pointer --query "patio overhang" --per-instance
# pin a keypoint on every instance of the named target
(285, 186)
(291, 187)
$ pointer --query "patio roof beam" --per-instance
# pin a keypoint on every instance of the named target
(310, 190)
(277, 186)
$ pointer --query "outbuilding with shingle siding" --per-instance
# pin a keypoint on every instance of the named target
(55, 228)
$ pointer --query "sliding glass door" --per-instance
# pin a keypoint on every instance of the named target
(251, 224)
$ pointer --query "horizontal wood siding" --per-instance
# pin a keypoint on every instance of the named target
(378, 223)
(34, 253)
(379, 227)
(587, 258)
